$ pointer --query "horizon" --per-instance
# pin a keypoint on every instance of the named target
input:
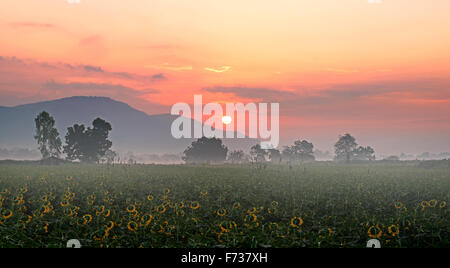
(330, 151)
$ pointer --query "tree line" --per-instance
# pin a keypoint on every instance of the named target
(212, 150)
(91, 145)
(84, 144)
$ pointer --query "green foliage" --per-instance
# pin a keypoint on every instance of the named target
(88, 145)
(236, 157)
(324, 205)
(206, 150)
(258, 154)
(302, 151)
(347, 149)
(47, 136)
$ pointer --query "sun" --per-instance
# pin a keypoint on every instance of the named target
(226, 120)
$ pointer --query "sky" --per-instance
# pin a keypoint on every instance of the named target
(380, 71)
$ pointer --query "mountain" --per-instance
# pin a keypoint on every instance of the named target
(133, 130)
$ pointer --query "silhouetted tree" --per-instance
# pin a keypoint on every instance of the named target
(364, 153)
(345, 148)
(258, 154)
(392, 158)
(206, 150)
(47, 136)
(302, 151)
(287, 154)
(109, 157)
(236, 156)
(274, 155)
(88, 145)
(76, 142)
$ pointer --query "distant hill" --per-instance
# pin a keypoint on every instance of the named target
(133, 130)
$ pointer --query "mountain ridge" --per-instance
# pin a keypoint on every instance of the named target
(133, 130)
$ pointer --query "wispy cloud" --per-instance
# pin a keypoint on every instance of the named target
(24, 81)
(218, 70)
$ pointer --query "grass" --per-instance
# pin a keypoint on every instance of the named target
(316, 205)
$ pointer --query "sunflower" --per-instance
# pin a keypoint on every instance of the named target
(146, 219)
(8, 214)
(273, 225)
(398, 205)
(236, 205)
(168, 191)
(374, 232)
(252, 211)
(161, 209)
(87, 219)
(274, 204)
(180, 205)
(223, 227)
(204, 193)
(150, 197)
(443, 204)
(132, 226)
(432, 203)
(296, 222)
(64, 203)
(131, 208)
(394, 230)
(107, 213)
(109, 226)
(221, 212)
(195, 205)
(251, 220)
(330, 232)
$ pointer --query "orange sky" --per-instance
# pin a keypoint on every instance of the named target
(380, 71)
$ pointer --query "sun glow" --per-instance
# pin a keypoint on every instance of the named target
(226, 120)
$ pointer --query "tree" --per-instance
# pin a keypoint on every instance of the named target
(236, 156)
(345, 148)
(76, 143)
(274, 155)
(109, 157)
(47, 136)
(206, 150)
(288, 153)
(99, 138)
(364, 153)
(258, 154)
(302, 151)
(88, 145)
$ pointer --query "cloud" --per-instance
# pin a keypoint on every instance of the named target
(414, 88)
(159, 77)
(90, 68)
(218, 70)
(24, 81)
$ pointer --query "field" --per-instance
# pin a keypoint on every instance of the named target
(316, 205)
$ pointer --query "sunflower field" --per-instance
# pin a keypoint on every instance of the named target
(229, 206)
